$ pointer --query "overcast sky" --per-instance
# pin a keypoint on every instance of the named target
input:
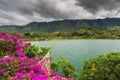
(24, 11)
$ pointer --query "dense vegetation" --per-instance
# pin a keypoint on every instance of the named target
(104, 67)
(78, 34)
(64, 26)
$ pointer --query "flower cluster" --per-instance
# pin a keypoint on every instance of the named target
(18, 40)
(20, 67)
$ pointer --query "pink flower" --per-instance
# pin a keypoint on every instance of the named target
(26, 67)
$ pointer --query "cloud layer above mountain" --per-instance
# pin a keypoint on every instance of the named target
(25, 11)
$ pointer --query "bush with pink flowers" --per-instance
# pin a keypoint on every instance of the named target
(15, 65)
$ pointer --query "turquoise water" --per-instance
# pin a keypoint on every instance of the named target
(76, 51)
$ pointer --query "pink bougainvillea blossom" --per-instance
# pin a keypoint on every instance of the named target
(25, 68)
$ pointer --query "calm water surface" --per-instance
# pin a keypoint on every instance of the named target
(76, 51)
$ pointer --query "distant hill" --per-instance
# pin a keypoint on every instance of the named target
(64, 25)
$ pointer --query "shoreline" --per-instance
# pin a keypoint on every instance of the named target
(68, 39)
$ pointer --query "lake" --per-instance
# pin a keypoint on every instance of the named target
(76, 51)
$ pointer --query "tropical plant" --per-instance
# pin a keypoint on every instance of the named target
(31, 51)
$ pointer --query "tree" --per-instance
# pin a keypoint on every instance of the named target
(104, 67)
(65, 69)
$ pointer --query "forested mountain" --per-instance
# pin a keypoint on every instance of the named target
(65, 25)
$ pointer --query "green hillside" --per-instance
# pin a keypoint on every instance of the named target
(65, 25)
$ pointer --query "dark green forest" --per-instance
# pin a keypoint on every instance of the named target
(64, 26)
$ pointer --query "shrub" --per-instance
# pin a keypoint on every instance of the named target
(32, 51)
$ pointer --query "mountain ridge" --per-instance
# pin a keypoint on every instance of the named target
(63, 25)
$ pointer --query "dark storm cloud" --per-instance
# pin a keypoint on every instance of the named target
(49, 9)
(45, 8)
(96, 5)
(25, 11)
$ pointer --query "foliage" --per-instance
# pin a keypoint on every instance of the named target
(32, 51)
(21, 67)
(7, 47)
(44, 51)
(77, 34)
(64, 68)
(104, 67)
(16, 41)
